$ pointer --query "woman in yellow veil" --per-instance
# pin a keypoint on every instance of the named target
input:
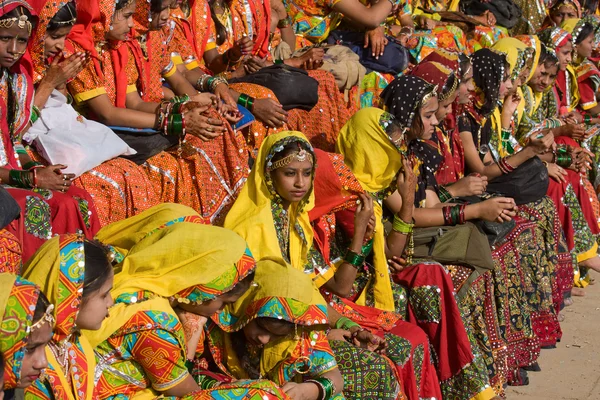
(168, 263)
(77, 276)
(272, 213)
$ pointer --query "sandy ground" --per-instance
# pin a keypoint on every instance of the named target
(572, 370)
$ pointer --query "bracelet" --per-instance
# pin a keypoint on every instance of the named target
(326, 387)
(32, 164)
(444, 194)
(402, 227)
(454, 215)
(20, 179)
(367, 248)
(587, 119)
(564, 160)
(180, 99)
(354, 259)
(278, 62)
(245, 101)
(201, 83)
(505, 134)
(35, 114)
(505, 166)
(284, 23)
(212, 85)
(345, 323)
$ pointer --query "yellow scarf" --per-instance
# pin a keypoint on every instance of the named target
(374, 161)
(251, 216)
(170, 258)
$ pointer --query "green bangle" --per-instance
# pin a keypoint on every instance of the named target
(20, 179)
(243, 100)
(444, 194)
(345, 323)
(367, 248)
(278, 61)
(180, 99)
(401, 226)
(31, 164)
(328, 387)
(354, 259)
(250, 103)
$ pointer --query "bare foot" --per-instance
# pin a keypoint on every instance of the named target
(579, 292)
(560, 317)
(568, 302)
(592, 263)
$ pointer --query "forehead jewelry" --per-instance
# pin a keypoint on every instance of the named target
(301, 155)
(22, 22)
(47, 317)
(69, 22)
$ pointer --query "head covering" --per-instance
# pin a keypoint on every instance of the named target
(555, 38)
(532, 42)
(573, 4)
(18, 299)
(94, 20)
(439, 75)
(167, 257)
(517, 55)
(283, 293)
(448, 58)
(403, 96)
(574, 26)
(58, 267)
(375, 161)
(488, 74)
(46, 10)
(507, 13)
(257, 210)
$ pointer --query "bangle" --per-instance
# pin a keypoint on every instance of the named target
(32, 164)
(587, 119)
(284, 23)
(402, 227)
(444, 194)
(345, 323)
(20, 179)
(354, 259)
(278, 61)
(245, 101)
(326, 387)
(35, 114)
(505, 166)
(564, 160)
(505, 134)
(454, 215)
(367, 248)
(180, 99)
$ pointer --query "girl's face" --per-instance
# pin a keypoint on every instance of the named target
(293, 182)
(445, 107)
(261, 331)
(543, 77)
(585, 48)
(122, 23)
(562, 13)
(209, 308)
(505, 87)
(466, 87)
(564, 55)
(13, 44)
(54, 43)
(94, 307)
(34, 360)
(428, 120)
(160, 17)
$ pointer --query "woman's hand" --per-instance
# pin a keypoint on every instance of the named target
(204, 99)
(363, 214)
(231, 114)
(425, 23)
(60, 72)
(406, 182)
(541, 143)
(397, 264)
(511, 103)
(370, 228)
(497, 209)
(338, 334)
(576, 132)
(312, 59)
(203, 126)
(53, 178)
(301, 391)
(556, 172)
(240, 49)
(254, 64)
(269, 112)
(223, 95)
(473, 184)
(377, 40)
(582, 159)
(193, 326)
(364, 339)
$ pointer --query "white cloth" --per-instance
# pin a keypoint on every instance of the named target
(62, 136)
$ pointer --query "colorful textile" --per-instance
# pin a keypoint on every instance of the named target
(312, 20)
(57, 268)
(164, 252)
(17, 302)
(10, 253)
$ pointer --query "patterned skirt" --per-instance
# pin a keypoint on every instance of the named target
(120, 189)
(45, 213)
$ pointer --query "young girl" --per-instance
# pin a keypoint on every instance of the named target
(78, 276)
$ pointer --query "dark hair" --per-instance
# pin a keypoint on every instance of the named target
(97, 266)
(584, 33)
(122, 4)
(589, 6)
(292, 147)
(463, 65)
(547, 57)
(242, 286)
(449, 85)
(417, 123)
(156, 6)
(66, 16)
(219, 27)
(40, 307)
